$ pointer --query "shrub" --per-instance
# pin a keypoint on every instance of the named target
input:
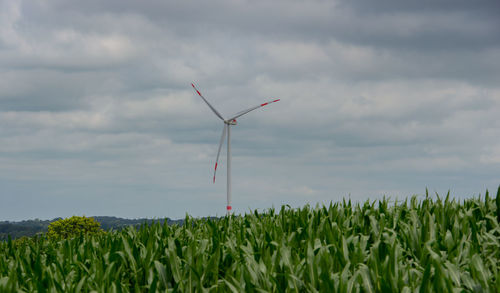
(498, 204)
(22, 241)
(73, 227)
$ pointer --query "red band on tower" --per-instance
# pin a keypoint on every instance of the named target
(228, 208)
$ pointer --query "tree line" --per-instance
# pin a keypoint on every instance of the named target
(30, 228)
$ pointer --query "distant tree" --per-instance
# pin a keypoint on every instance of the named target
(498, 204)
(73, 227)
(23, 241)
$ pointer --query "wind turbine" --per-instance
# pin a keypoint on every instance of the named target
(227, 128)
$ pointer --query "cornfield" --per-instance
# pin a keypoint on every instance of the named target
(426, 245)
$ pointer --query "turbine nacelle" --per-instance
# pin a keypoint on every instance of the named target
(231, 122)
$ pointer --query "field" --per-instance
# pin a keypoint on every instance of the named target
(418, 245)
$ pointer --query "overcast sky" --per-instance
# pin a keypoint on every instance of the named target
(97, 115)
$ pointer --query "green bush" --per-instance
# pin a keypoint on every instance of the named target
(22, 241)
(498, 204)
(73, 227)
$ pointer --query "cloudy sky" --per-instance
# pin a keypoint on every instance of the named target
(97, 115)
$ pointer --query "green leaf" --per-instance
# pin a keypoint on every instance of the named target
(160, 268)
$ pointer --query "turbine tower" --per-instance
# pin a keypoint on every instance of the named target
(227, 128)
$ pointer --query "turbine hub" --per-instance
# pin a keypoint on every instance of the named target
(231, 122)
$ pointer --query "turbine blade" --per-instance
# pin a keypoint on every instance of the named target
(220, 147)
(211, 107)
(251, 109)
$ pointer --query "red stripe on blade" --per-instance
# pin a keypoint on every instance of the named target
(276, 100)
(198, 92)
(264, 104)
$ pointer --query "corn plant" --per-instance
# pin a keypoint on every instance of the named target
(431, 244)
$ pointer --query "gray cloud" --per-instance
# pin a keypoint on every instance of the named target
(386, 98)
